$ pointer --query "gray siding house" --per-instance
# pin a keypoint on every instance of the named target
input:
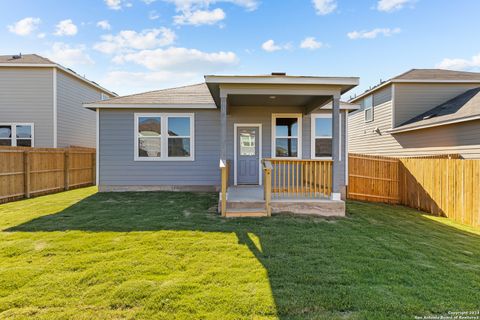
(420, 112)
(178, 139)
(41, 104)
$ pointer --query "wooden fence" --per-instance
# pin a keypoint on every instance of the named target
(26, 172)
(444, 186)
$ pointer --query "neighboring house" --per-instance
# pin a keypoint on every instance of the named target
(41, 104)
(420, 112)
(174, 139)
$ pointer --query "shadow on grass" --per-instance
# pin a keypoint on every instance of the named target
(379, 262)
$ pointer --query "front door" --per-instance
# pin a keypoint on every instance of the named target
(247, 155)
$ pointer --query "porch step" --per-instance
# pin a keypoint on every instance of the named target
(246, 212)
(245, 204)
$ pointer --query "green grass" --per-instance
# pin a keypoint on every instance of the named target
(82, 255)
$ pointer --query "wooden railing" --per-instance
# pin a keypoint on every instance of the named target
(224, 173)
(267, 185)
(294, 178)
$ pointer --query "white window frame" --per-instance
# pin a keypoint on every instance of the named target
(369, 108)
(14, 131)
(164, 136)
(299, 117)
(313, 135)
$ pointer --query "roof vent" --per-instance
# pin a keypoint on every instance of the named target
(17, 56)
(279, 74)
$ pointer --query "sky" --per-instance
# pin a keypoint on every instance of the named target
(131, 46)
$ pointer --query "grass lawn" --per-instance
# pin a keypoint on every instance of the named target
(82, 255)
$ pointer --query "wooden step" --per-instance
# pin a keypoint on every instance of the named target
(244, 212)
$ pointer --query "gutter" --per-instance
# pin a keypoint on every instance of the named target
(432, 125)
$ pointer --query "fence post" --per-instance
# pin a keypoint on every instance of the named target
(94, 168)
(66, 170)
(26, 170)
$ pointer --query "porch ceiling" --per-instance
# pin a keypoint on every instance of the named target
(276, 100)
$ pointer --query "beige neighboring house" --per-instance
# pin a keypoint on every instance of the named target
(41, 104)
(420, 112)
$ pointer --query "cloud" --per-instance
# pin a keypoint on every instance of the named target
(41, 35)
(324, 7)
(271, 46)
(191, 5)
(117, 4)
(200, 17)
(392, 5)
(460, 64)
(147, 2)
(179, 59)
(310, 43)
(66, 28)
(25, 26)
(372, 34)
(69, 56)
(153, 15)
(104, 24)
(129, 39)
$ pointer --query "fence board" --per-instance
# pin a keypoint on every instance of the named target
(46, 168)
(444, 186)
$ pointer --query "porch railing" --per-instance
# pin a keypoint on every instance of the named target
(224, 174)
(301, 179)
(267, 185)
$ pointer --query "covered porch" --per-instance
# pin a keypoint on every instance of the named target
(282, 143)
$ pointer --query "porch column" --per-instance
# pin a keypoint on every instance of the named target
(223, 129)
(337, 167)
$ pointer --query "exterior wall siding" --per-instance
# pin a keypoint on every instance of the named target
(116, 154)
(415, 98)
(26, 95)
(75, 124)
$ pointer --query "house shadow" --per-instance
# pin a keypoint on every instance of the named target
(317, 268)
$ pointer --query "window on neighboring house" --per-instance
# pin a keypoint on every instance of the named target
(104, 96)
(16, 134)
(287, 134)
(368, 108)
(163, 136)
(321, 143)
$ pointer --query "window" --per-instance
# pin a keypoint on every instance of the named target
(368, 107)
(161, 136)
(286, 135)
(321, 145)
(16, 134)
(104, 96)
(247, 142)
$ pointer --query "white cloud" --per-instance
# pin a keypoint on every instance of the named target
(372, 34)
(149, 1)
(41, 35)
(310, 43)
(66, 28)
(129, 39)
(270, 46)
(392, 5)
(324, 7)
(25, 26)
(179, 59)
(104, 24)
(460, 64)
(117, 4)
(69, 56)
(191, 5)
(200, 17)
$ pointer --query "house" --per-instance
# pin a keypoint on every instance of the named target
(420, 112)
(187, 138)
(41, 104)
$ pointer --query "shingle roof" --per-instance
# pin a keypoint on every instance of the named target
(193, 94)
(25, 59)
(425, 75)
(463, 107)
(437, 74)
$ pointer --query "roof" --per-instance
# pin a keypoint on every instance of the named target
(193, 95)
(25, 59)
(426, 76)
(35, 60)
(203, 95)
(464, 107)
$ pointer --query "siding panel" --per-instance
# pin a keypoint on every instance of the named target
(75, 124)
(26, 95)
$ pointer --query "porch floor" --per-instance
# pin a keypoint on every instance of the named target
(243, 198)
